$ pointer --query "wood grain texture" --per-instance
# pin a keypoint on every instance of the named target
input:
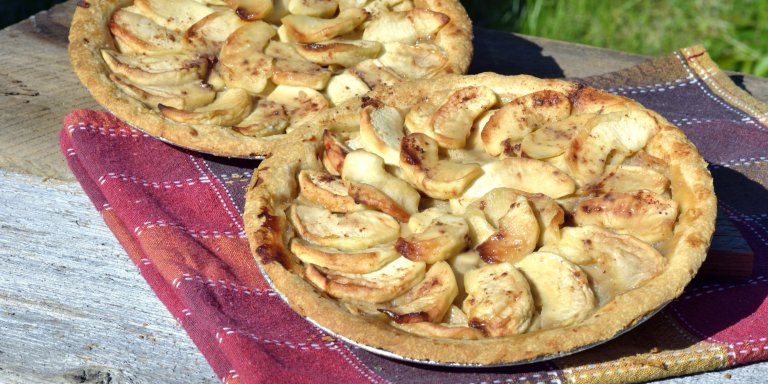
(73, 307)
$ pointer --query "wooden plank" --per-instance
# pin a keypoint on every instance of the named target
(73, 307)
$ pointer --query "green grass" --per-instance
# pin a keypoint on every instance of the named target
(734, 32)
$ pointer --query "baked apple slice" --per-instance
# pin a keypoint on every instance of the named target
(430, 300)
(379, 286)
(352, 231)
(363, 261)
(560, 289)
(499, 300)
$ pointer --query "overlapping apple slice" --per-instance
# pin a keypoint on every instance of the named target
(316, 8)
(381, 131)
(450, 123)
(644, 214)
(414, 61)
(135, 33)
(327, 190)
(243, 63)
(628, 178)
(345, 86)
(209, 34)
(373, 73)
(434, 236)
(522, 116)
(552, 139)
(615, 263)
(429, 300)
(229, 108)
(616, 135)
(300, 73)
(187, 96)
(335, 150)
(310, 29)
(267, 118)
(499, 300)
(352, 231)
(299, 102)
(176, 15)
(378, 286)
(527, 175)
(366, 168)
(504, 226)
(163, 69)
(454, 326)
(405, 27)
(345, 53)
(363, 261)
(439, 179)
(560, 289)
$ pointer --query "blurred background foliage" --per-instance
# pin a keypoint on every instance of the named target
(735, 32)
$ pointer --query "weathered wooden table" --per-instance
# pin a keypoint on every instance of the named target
(73, 308)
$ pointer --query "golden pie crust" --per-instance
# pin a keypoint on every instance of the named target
(270, 227)
(220, 135)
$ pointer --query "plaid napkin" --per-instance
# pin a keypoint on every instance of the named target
(177, 213)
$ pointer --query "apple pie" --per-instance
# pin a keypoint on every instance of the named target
(229, 77)
(482, 219)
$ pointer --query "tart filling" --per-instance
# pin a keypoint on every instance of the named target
(216, 72)
(528, 216)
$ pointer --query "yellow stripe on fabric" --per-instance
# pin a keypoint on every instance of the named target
(651, 366)
(697, 58)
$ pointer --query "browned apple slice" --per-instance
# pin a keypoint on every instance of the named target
(366, 168)
(364, 261)
(135, 33)
(454, 326)
(615, 263)
(345, 86)
(451, 122)
(299, 102)
(352, 231)
(185, 97)
(345, 53)
(429, 300)
(442, 237)
(499, 300)
(316, 8)
(414, 61)
(552, 139)
(375, 74)
(518, 229)
(165, 69)
(209, 34)
(309, 29)
(621, 133)
(229, 108)
(177, 15)
(439, 179)
(378, 286)
(252, 10)
(646, 215)
(326, 190)
(243, 65)
(527, 175)
(300, 73)
(381, 131)
(372, 197)
(522, 116)
(560, 288)
(334, 152)
(405, 27)
(628, 178)
(266, 119)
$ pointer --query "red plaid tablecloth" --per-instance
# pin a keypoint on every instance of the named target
(177, 214)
